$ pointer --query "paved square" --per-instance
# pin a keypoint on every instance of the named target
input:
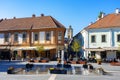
(113, 70)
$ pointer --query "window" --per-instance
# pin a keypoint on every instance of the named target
(93, 37)
(16, 37)
(118, 38)
(59, 36)
(6, 37)
(24, 36)
(103, 38)
(48, 36)
(36, 36)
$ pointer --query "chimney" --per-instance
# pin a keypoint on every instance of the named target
(103, 14)
(42, 15)
(5, 18)
(14, 17)
(33, 15)
(90, 23)
(1, 20)
(117, 11)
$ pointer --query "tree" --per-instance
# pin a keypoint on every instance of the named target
(76, 47)
(40, 49)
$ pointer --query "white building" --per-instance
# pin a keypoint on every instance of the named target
(101, 39)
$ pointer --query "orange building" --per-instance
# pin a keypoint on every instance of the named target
(19, 37)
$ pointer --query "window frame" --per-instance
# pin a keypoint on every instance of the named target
(36, 38)
(6, 37)
(60, 36)
(24, 36)
(48, 36)
(103, 39)
(93, 41)
(16, 37)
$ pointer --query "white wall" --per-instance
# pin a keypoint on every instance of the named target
(98, 33)
(111, 37)
(85, 37)
(1, 38)
(116, 32)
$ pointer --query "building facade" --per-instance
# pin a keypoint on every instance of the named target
(102, 38)
(19, 37)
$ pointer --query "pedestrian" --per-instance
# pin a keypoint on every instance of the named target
(85, 68)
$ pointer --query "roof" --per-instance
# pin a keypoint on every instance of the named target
(108, 21)
(28, 23)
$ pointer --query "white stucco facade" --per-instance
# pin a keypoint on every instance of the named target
(110, 43)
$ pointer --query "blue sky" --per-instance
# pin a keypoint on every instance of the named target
(77, 13)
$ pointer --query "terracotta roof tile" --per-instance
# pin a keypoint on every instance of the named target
(109, 21)
(26, 23)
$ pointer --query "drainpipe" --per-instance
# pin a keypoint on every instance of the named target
(30, 36)
(111, 38)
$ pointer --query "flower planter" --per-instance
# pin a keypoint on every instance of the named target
(80, 62)
(115, 63)
(58, 71)
(10, 70)
(73, 62)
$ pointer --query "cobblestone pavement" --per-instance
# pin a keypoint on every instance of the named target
(113, 70)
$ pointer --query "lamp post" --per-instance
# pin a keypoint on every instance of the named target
(62, 58)
(9, 51)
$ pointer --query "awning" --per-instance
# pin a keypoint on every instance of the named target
(94, 49)
(102, 49)
(25, 48)
(111, 48)
(3, 48)
(32, 48)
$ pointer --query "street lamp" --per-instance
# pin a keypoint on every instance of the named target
(9, 51)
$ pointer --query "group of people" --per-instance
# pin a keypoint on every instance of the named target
(87, 68)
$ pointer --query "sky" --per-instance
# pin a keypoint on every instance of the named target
(77, 13)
